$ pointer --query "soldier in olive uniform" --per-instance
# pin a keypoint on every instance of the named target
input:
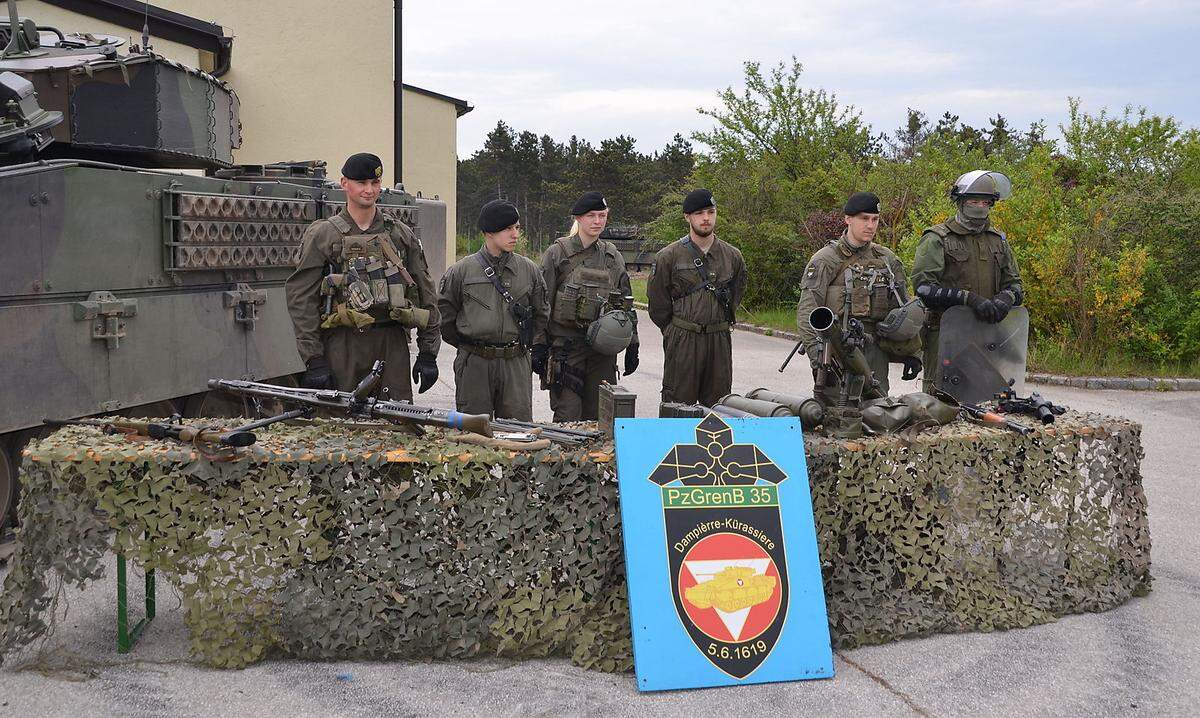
(696, 285)
(577, 268)
(492, 304)
(878, 286)
(965, 260)
(362, 282)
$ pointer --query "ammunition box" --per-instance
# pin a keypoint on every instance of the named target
(675, 410)
(616, 402)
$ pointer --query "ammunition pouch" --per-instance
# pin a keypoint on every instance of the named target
(563, 374)
(580, 300)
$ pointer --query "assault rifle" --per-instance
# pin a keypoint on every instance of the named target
(362, 403)
(1008, 402)
(196, 435)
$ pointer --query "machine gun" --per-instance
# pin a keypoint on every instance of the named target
(361, 403)
(1007, 402)
(197, 436)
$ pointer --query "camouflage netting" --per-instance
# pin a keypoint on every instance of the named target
(331, 543)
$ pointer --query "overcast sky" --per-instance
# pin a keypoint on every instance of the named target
(642, 68)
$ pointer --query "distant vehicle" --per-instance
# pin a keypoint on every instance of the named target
(634, 248)
(125, 287)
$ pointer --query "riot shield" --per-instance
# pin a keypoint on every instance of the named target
(978, 359)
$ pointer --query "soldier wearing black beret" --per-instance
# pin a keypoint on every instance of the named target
(571, 364)
(696, 285)
(492, 305)
(878, 286)
(361, 284)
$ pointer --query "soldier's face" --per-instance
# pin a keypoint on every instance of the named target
(364, 193)
(506, 239)
(863, 226)
(703, 221)
(592, 223)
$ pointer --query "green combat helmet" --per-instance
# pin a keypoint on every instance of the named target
(612, 332)
(982, 184)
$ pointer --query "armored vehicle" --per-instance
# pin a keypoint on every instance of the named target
(125, 283)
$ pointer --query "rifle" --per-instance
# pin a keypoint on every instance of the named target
(1008, 402)
(991, 418)
(234, 438)
(557, 434)
(360, 403)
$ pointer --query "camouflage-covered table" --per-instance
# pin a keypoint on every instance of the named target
(322, 541)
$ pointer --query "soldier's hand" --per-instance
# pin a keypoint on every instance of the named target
(425, 372)
(1003, 302)
(912, 367)
(985, 309)
(631, 359)
(538, 356)
(317, 374)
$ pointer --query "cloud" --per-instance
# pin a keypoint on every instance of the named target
(639, 68)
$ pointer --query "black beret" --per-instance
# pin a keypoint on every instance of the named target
(589, 202)
(697, 200)
(860, 202)
(363, 166)
(497, 215)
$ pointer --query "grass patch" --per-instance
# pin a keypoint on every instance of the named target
(1052, 357)
(781, 317)
(638, 285)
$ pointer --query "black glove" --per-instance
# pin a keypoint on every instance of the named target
(538, 356)
(631, 359)
(1003, 302)
(912, 367)
(425, 372)
(317, 374)
(985, 309)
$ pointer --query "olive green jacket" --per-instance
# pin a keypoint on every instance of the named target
(953, 256)
(473, 310)
(321, 245)
(822, 274)
(674, 276)
(600, 255)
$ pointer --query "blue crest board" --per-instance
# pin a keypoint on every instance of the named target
(720, 553)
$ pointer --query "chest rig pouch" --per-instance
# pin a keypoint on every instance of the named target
(871, 295)
(580, 299)
(367, 283)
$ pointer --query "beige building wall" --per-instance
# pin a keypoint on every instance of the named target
(431, 155)
(313, 85)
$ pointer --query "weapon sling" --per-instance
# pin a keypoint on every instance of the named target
(522, 314)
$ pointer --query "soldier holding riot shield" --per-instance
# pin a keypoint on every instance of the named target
(965, 262)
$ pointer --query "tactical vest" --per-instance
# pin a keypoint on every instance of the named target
(368, 282)
(870, 296)
(972, 261)
(583, 290)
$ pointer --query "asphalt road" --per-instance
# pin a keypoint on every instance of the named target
(1140, 659)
